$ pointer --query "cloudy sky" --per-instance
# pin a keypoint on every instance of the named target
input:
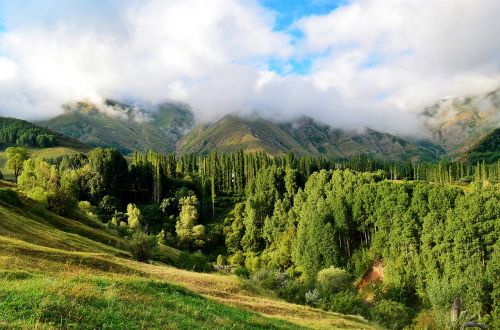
(350, 63)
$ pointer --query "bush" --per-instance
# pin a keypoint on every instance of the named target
(142, 246)
(441, 293)
(427, 319)
(266, 279)
(242, 272)
(194, 261)
(238, 259)
(221, 260)
(391, 314)
(347, 302)
(312, 297)
(293, 291)
(332, 280)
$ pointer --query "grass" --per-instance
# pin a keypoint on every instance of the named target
(61, 273)
(107, 302)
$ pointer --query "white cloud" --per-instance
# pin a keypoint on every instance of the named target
(408, 52)
(156, 50)
(373, 61)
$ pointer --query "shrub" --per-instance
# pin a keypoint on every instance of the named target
(332, 280)
(238, 259)
(391, 314)
(107, 207)
(292, 290)
(252, 262)
(427, 319)
(221, 260)
(194, 261)
(312, 297)
(347, 302)
(142, 246)
(441, 293)
(265, 278)
(242, 272)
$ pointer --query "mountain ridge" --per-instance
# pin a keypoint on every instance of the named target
(123, 127)
(452, 127)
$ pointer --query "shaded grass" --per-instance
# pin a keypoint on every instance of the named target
(26, 221)
(106, 302)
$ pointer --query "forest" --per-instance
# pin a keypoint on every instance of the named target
(20, 132)
(308, 228)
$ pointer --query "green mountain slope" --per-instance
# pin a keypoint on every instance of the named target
(487, 149)
(302, 137)
(17, 132)
(459, 124)
(123, 127)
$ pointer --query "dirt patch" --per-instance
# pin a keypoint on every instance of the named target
(372, 277)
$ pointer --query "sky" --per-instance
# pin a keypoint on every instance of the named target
(358, 63)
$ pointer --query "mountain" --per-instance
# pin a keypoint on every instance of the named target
(453, 128)
(17, 132)
(487, 149)
(123, 127)
(304, 136)
(459, 124)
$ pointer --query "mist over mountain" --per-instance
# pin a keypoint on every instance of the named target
(125, 128)
(459, 123)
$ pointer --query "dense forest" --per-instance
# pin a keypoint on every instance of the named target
(304, 227)
(20, 132)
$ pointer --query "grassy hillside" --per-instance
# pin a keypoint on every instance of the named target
(61, 273)
(122, 127)
(302, 137)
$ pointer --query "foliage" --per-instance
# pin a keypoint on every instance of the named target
(241, 272)
(16, 156)
(23, 133)
(41, 182)
(346, 302)
(189, 232)
(391, 314)
(333, 280)
(108, 174)
(134, 217)
(142, 246)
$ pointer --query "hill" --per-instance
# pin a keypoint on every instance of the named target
(302, 137)
(459, 124)
(57, 272)
(487, 149)
(17, 132)
(123, 127)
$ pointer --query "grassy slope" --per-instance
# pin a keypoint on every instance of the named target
(124, 131)
(100, 130)
(56, 272)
